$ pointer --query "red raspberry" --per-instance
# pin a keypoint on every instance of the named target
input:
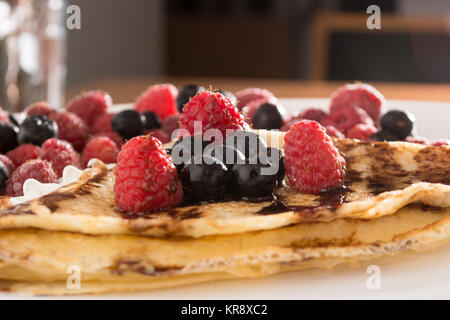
(71, 128)
(90, 105)
(41, 108)
(244, 97)
(23, 153)
(437, 143)
(361, 131)
(160, 135)
(103, 124)
(160, 98)
(213, 110)
(333, 132)
(113, 136)
(37, 169)
(8, 163)
(61, 154)
(346, 117)
(170, 124)
(312, 161)
(359, 95)
(313, 114)
(146, 179)
(4, 116)
(101, 148)
(419, 140)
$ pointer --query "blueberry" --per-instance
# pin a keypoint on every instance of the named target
(4, 175)
(249, 143)
(185, 148)
(12, 119)
(398, 122)
(36, 129)
(250, 182)
(279, 158)
(229, 95)
(384, 135)
(128, 123)
(186, 93)
(204, 179)
(8, 137)
(152, 120)
(267, 116)
(227, 154)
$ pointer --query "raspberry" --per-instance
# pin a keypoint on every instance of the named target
(313, 114)
(312, 161)
(419, 140)
(359, 95)
(23, 153)
(61, 154)
(8, 163)
(113, 136)
(41, 108)
(37, 169)
(244, 97)
(146, 179)
(333, 132)
(103, 124)
(437, 143)
(213, 110)
(160, 98)
(4, 116)
(170, 124)
(346, 117)
(101, 148)
(160, 135)
(90, 105)
(361, 131)
(71, 128)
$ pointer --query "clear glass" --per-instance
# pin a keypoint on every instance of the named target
(32, 53)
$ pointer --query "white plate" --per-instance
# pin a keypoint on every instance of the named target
(406, 276)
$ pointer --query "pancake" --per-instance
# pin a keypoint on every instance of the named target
(381, 178)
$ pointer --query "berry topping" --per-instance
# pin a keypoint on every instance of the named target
(398, 122)
(268, 116)
(312, 161)
(248, 143)
(4, 175)
(333, 132)
(384, 135)
(146, 179)
(359, 95)
(61, 154)
(361, 131)
(36, 129)
(90, 105)
(160, 135)
(37, 169)
(226, 154)
(113, 136)
(251, 182)
(185, 148)
(276, 158)
(23, 153)
(245, 96)
(211, 110)
(41, 108)
(151, 121)
(251, 107)
(71, 128)
(204, 179)
(345, 117)
(229, 95)
(128, 123)
(8, 163)
(160, 98)
(437, 143)
(8, 137)
(170, 124)
(186, 93)
(312, 114)
(103, 123)
(101, 148)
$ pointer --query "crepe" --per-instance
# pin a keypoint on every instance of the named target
(381, 178)
(36, 261)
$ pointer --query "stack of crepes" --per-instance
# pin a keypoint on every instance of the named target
(396, 198)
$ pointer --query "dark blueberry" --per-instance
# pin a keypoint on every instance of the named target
(249, 143)
(267, 116)
(398, 122)
(227, 154)
(4, 175)
(152, 120)
(8, 137)
(36, 129)
(186, 93)
(185, 148)
(251, 182)
(384, 135)
(228, 94)
(204, 179)
(128, 123)
(278, 162)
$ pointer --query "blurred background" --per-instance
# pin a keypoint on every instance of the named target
(123, 46)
